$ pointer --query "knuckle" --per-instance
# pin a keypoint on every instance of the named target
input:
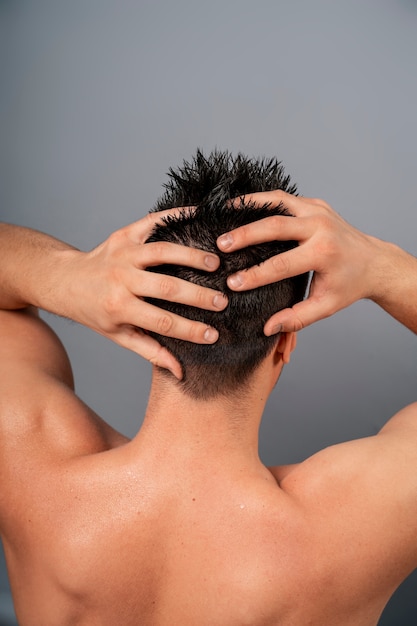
(150, 219)
(195, 256)
(324, 225)
(243, 234)
(252, 276)
(158, 249)
(117, 238)
(195, 332)
(167, 287)
(316, 201)
(295, 323)
(319, 202)
(163, 248)
(325, 247)
(164, 324)
(143, 228)
(113, 276)
(280, 263)
(298, 325)
(200, 297)
(325, 221)
(153, 360)
(326, 205)
(191, 257)
(274, 222)
(112, 304)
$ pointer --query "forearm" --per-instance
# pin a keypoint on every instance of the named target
(32, 269)
(395, 283)
(347, 264)
(104, 289)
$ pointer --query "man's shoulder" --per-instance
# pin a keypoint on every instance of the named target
(360, 497)
(43, 424)
(381, 461)
(29, 345)
(38, 404)
(49, 424)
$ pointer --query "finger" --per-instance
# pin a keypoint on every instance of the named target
(139, 231)
(300, 315)
(295, 204)
(151, 317)
(136, 340)
(175, 289)
(285, 265)
(260, 198)
(274, 228)
(161, 252)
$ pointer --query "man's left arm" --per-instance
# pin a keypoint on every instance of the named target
(40, 416)
(104, 289)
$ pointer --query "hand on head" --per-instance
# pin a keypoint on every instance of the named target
(339, 255)
(113, 280)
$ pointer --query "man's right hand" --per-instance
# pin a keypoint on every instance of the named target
(347, 264)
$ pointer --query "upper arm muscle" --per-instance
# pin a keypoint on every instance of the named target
(28, 344)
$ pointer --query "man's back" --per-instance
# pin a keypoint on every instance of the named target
(184, 525)
(109, 540)
(99, 530)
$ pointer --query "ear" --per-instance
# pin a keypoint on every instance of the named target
(286, 344)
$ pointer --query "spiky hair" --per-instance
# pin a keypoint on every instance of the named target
(208, 184)
(209, 180)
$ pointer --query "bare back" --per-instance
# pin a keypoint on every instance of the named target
(109, 541)
(98, 532)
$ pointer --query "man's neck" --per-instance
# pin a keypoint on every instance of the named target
(220, 430)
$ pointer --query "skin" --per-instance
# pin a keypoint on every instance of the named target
(183, 524)
(102, 289)
(348, 265)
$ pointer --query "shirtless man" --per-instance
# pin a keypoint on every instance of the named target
(183, 525)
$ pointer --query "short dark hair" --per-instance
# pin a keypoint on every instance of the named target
(208, 184)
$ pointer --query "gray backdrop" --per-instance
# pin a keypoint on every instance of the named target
(98, 99)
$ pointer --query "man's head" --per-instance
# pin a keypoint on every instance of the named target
(208, 184)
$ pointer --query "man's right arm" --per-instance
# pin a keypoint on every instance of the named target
(348, 265)
(365, 490)
(396, 291)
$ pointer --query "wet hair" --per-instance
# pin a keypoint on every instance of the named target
(208, 184)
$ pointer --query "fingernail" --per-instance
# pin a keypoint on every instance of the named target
(225, 241)
(274, 330)
(220, 301)
(235, 281)
(211, 261)
(211, 335)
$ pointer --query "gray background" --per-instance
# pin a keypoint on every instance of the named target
(98, 99)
